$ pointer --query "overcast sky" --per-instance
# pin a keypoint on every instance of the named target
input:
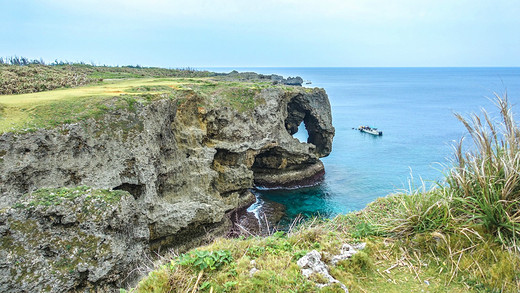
(204, 33)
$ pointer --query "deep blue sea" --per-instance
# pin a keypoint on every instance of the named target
(412, 106)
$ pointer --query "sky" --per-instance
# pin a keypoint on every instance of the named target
(264, 33)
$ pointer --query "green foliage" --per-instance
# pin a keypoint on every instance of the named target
(203, 260)
(36, 78)
(229, 285)
(362, 230)
(278, 243)
(299, 254)
(361, 261)
(417, 212)
(255, 251)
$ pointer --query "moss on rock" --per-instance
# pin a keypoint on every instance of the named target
(62, 239)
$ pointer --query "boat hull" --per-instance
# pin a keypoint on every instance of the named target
(371, 131)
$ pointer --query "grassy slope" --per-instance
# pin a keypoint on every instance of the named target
(41, 96)
(423, 262)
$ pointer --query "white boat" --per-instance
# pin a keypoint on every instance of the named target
(370, 130)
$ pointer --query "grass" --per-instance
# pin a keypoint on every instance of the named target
(487, 180)
(35, 96)
(37, 77)
(461, 236)
(28, 112)
(386, 265)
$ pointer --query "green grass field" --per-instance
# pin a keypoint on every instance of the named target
(31, 111)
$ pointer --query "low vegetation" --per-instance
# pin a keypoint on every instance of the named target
(32, 111)
(19, 75)
(461, 236)
(55, 196)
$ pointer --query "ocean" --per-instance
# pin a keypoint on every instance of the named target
(413, 107)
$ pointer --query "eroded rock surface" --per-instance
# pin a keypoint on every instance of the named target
(188, 164)
(85, 240)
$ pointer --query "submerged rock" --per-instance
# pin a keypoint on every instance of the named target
(261, 222)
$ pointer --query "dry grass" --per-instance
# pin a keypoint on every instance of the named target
(487, 179)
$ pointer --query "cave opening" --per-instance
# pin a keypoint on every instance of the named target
(136, 190)
(298, 122)
(302, 134)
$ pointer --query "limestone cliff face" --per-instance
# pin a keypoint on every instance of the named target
(185, 165)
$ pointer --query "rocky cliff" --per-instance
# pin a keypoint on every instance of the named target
(182, 165)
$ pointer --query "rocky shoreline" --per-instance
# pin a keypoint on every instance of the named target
(183, 168)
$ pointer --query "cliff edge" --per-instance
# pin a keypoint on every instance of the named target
(184, 154)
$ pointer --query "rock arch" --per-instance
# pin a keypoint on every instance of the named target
(314, 111)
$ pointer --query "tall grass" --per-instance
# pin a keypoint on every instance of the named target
(487, 179)
(481, 191)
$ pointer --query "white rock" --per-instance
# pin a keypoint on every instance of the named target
(253, 271)
(311, 264)
(347, 251)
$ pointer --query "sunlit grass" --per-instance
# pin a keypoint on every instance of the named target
(51, 108)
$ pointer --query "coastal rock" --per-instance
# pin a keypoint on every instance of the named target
(274, 78)
(186, 164)
(294, 81)
(260, 222)
(64, 240)
(311, 263)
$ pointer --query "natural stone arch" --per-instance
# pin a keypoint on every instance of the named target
(311, 110)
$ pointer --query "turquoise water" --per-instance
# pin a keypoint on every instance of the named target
(412, 106)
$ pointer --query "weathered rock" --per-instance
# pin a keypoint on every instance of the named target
(311, 108)
(311, 264)
(262, 221)
(63, 240)
(187, 167)
(346, 252)
(302, 177)
(294, 81)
